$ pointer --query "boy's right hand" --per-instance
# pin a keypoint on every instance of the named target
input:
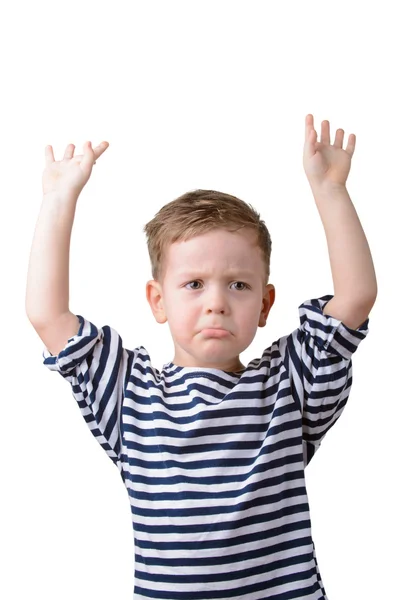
(67, 177)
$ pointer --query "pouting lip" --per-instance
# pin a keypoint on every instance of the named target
(215, 328)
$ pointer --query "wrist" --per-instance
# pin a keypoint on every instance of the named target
(60, 197)
(328, 189)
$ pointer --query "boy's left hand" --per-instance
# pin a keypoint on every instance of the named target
(326, 164)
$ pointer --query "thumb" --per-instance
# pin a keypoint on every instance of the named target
(88, 156)
(309, 145)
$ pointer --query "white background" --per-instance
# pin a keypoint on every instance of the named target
(212, 95)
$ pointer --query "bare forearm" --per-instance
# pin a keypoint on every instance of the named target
(350, 258)
(47, 291)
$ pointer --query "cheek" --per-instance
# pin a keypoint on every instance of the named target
(182, 316)
(250, 316)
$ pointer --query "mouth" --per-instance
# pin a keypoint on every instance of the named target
(215, 332)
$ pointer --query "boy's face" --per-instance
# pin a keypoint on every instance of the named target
(204, 287)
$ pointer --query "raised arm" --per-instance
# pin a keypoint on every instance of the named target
(327, 167)
(47, 291)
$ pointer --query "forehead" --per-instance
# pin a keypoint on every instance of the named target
(218, 249)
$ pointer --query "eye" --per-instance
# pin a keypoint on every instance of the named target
(190, 283)
(241, 282)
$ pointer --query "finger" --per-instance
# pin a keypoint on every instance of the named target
(351, 144)
(325, 132)
(69, 151)
(98, 151)
(48, 155)
(309, 125)
(311, 136)
(339, 138)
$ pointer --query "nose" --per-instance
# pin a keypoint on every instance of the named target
(216, 301)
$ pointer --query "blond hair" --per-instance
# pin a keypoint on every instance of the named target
(198, 212)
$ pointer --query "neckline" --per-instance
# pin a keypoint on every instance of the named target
(201, 369)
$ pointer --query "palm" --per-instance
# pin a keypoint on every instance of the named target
(331, 162)
(71, 173)
(65, 173)
(325, 162)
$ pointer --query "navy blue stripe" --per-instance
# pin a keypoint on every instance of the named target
(208, 527)
(217, 446)
(205, 415)
(225, 509)
(239, 591)
(224, 559)
(210, 480)
(209, 493)
(169, 400)
(212, 577)
(206, 464)
(228, 542)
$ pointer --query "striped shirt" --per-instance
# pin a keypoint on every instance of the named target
(213, 461)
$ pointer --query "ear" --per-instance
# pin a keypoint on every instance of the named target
(154, 297)
(268, 300)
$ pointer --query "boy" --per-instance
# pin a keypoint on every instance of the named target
(212, 453)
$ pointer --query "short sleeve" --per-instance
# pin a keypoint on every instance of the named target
(94, 362)
(318, 359)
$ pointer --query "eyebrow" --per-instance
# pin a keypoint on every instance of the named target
(230, 272)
